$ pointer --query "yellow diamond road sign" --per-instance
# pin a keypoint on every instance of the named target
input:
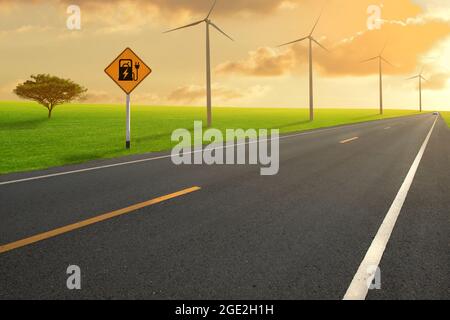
(128, 70)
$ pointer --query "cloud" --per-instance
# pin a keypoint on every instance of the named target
(263, 62)
(436, 8)
(195, 93)
(133, 15)
(125, 16)
(195, 6)
(8, 87)
(406, 43)
(100, 96)
(26, 29)
(172, 7)
(437, 81)
(221, 94)
(185, 95)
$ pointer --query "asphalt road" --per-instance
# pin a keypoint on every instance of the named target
(301, 234)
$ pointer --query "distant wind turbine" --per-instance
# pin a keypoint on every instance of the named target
(420, 77)
(311, 84)
(208, 23)
(380, 66)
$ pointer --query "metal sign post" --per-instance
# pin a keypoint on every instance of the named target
(128, 71)
(128, 133)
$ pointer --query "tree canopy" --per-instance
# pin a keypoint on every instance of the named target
(50, 91)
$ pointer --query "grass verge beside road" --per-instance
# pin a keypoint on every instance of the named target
(446, 116)
(78, 132)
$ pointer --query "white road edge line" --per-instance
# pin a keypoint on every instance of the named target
(349, 140)
(170, 156)
(359, 287)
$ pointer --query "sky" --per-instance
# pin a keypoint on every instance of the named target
(252, 71)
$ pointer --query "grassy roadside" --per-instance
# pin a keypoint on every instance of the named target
(78, 133)
(446, 116)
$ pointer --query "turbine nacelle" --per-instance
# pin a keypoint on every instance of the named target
(208, 22)
(419, 76)
(380, 58)
(309, 37)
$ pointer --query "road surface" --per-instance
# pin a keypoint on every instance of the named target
(301, 234)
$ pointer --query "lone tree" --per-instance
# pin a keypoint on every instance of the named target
(50, 91)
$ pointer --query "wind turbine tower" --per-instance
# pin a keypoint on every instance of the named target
(208, 23)
(380, 59)
(310, 39)
(420, 77)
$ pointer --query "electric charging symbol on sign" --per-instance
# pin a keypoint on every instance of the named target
(128, 71)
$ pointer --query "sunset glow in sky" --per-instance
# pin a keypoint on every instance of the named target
(250, 72)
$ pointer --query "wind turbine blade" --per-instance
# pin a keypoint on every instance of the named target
(423, 78)
(317, 42)
(218, 29)
(387, 62)
(371, 59)
(212, 8)
(299, 40)
(415, 77)
(186, 26)
(421, 71)
(317, 22)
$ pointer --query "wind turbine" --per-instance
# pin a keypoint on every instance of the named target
(380, 66)
(311, 84)
(420, 77)
(208, 23)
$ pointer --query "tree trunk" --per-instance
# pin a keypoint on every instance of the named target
(50, 112)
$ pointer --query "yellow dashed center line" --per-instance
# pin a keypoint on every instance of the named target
(349, 140)
(91, 221)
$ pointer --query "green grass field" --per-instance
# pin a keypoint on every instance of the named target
(78, 133)
(446, 116)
